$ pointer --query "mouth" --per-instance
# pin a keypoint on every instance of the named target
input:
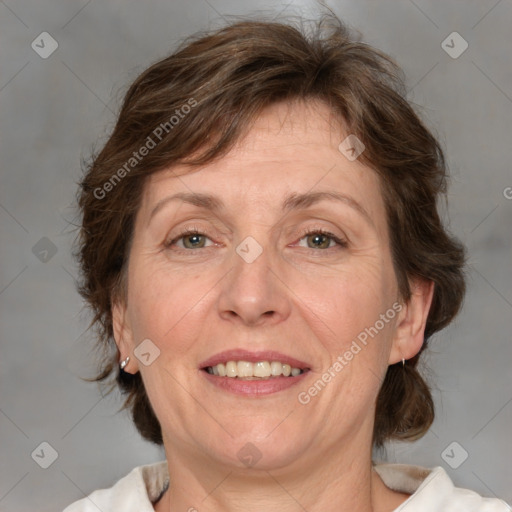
(242, 364)
(270, 371)
(245, 370)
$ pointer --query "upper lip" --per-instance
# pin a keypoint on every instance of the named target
(239, 354)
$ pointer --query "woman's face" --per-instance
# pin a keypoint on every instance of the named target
(259, 276)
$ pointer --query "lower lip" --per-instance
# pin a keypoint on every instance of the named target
(254, 387)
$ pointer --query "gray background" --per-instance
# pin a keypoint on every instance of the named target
(54, 109)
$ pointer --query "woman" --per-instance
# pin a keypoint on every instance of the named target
(261, 247)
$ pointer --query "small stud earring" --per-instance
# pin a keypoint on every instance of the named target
(124, 363)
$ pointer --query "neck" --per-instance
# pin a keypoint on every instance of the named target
(328, 484)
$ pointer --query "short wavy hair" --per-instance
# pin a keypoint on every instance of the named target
(194, 105)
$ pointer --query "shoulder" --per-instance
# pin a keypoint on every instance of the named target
(134, 492)
(431, 489)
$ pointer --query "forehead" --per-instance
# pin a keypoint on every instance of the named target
(290, 148)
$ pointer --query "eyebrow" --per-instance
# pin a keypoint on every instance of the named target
(292, 202)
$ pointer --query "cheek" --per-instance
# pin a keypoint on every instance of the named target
(344, 315)
(163, 306)
(171, 307)
(349, 300)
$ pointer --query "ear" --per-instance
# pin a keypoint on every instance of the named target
(410, 325)
(123, 335)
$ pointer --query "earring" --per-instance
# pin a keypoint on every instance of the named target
(124, 363)
(403, 362)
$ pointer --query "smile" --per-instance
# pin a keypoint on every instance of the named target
(246, 370)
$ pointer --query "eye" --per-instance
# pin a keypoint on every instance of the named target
(190, 238)
(322, 239)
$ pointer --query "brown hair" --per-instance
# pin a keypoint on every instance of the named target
(199, 101)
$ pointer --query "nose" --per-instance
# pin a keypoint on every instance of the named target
(254, 292)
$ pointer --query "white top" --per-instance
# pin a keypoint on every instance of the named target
(431, 491)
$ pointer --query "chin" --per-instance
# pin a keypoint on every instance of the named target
(264, 448)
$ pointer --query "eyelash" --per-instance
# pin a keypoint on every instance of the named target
(321, 231)
(309, 231)
(186, 232)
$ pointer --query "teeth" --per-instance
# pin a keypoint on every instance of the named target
(276, 368)
(231, 369)
(261, 369)
(251, 371)
(244, 369)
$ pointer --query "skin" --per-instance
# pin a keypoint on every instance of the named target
(193, 301)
